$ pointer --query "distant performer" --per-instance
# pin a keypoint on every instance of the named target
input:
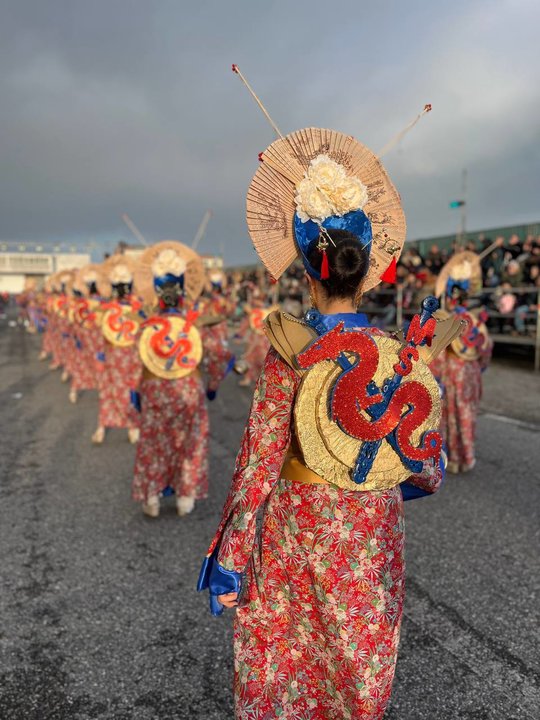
(343, 426)
(252, 332)
(460, 368)
(119, 365)
(177, 343)
(85, 317)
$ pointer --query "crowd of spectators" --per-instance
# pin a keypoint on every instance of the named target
(510, 278)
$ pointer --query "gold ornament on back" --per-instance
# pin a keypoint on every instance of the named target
(120, 325)
(170, 347)
(332, 453)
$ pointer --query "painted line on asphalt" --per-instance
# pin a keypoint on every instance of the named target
(512, 421)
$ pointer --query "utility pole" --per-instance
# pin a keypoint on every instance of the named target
(464, 207)
(462, 204)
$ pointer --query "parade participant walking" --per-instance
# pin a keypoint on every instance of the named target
(218, 304)
(176, 342)
(328, 445)
(63, 339)
(119, 363)
(86, 318)
(252, 333)
(459, 369)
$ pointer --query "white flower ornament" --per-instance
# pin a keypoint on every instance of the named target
(327, 190)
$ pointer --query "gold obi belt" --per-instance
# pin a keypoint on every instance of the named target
(294, 469)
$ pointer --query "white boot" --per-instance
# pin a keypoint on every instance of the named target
(42, 355)
(134, 435)
(73, 396)
(65, 376)
(99, 436)
(151, 506)
(184, 505)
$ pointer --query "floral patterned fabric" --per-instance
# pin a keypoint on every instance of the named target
(461, 381)
(257, 346)
(173, 444)
(317, 629)
(120, 374)
(83, 361)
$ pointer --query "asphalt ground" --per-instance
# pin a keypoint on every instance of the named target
(99, 614)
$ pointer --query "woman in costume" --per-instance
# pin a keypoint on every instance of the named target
(86, 330)
(252, 332)
(63, 347)
(319, 595)
(459, 369)
(178, 341)
(119, 365)
(49, 333)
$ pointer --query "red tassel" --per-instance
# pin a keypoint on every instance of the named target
(325, 268)
(390, 274)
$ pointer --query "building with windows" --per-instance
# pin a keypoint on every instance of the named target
(16, 266)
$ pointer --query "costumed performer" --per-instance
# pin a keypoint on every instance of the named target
(342, 428)
(86, 316)
(119, 363)
(177, 342)
(459, 369)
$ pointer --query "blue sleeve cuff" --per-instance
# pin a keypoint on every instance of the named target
(412, 492)
(100, 356)
(135, 399)
(218, 581)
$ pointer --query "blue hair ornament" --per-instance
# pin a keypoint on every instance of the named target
(162, 280)
(307, 233)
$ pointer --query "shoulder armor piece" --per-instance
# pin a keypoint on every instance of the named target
(288, 336)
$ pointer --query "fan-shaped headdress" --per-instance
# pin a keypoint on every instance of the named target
(314, 180)
(463, 271)
(117, 269)
(87, 276)
(169, 261)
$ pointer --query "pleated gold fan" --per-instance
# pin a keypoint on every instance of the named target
(464, 262)
(449, 327)
(81, 278)
(104, 281)
(271, 205)
(194, 278)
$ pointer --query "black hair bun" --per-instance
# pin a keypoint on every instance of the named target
(348, 263)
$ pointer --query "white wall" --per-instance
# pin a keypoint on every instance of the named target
(13, 284)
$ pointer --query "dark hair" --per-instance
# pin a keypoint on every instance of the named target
(348, 263)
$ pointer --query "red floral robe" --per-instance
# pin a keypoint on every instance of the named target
(317, 629)
(83, 365)
(120, 373)
(461, 382)
(173, 445)
(47, 344)
(256, 349)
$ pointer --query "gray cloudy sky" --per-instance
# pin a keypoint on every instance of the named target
(111, 106)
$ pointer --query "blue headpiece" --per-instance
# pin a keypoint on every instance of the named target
(459, 284)
(162, 280)
(306, 233)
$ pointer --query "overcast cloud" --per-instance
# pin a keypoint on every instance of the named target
(111, 106)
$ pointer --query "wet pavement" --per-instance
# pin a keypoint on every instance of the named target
(99, 615)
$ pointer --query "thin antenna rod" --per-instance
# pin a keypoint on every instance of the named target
(202, 229)
(485, 252)
(396, 139)
(236, 70)
(136, 232)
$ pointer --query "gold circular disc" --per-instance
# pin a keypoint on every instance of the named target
(329, 451)
(120, 329)
(181, 347)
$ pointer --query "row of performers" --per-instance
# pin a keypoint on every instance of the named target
(151, 335)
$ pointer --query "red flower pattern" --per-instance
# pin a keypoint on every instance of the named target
(317, 629)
